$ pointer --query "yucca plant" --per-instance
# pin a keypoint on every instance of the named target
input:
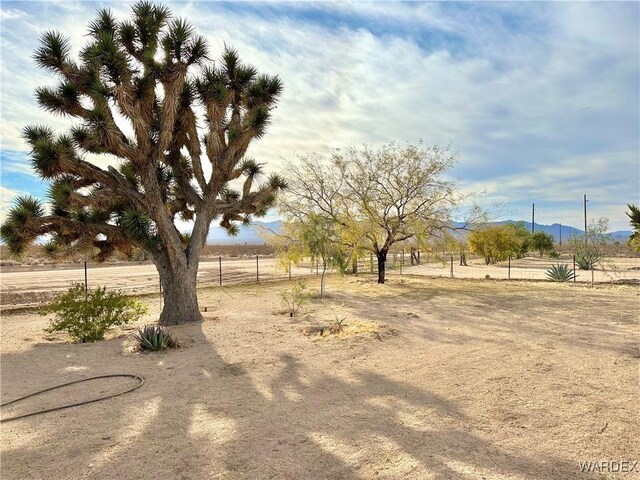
(155, 73)
(154, 338)
(634, 221)
(560, 273)
(588, 258)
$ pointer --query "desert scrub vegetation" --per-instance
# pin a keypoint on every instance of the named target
(560, 273)
(495, 243)
(367, 199)
(295, 298)
(86, 315)
(154, 338)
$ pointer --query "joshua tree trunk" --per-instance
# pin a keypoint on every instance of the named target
(382, 259)
(179, 294)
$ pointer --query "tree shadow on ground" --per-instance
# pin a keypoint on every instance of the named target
(199, 416)
(529, 315)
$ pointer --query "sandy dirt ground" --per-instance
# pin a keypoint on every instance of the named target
(447, 379)
(27, 285)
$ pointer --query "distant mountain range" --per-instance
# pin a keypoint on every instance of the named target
(250, 234)
(566, 232)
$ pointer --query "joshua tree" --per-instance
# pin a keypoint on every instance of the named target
(147, 76)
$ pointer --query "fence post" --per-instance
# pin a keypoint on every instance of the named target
(371, 261)
(86, 278)
(574, 268)
(257, 270)
(591, 278)
(451, 266)
(402, 261)
(220, 267)
(509, 269)
(289, 269)
(317, 271)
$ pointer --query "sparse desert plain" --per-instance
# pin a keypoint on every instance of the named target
(431, 379)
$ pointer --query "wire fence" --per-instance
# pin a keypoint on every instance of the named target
(455, 265)
(30, 287)
(22, 288)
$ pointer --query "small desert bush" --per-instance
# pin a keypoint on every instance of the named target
(588, 258)
(554, 254)
(337, 325)
(87, 315)
(295, 298)
(560, 273)
(154, 338)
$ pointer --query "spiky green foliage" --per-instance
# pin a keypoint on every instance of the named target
(87, 315)
(154, 338)
(156, 72)
(587, 258)
(560, 273)
(634, 221)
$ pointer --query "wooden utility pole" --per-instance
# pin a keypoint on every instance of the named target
(560, 234)
(585, 218)
(533, 217)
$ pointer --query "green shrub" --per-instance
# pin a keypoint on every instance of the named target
(588, 258)
(154, 338)
(560, 273)
(554, 254)
(295, 298)
(86, 316)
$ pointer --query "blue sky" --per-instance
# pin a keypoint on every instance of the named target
(540, 99)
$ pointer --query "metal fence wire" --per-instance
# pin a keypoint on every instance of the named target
(21, 287)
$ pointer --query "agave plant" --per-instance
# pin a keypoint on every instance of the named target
(154, 338)
(560, 273)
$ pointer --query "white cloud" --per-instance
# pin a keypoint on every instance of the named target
(6, 197)
(530, 108)
(7, 14)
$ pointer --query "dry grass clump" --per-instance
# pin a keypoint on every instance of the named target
(343, 329)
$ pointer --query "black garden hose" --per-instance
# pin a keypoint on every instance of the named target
(117, 375)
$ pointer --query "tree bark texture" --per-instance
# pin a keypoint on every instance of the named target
(180, 295)
(382, 259)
